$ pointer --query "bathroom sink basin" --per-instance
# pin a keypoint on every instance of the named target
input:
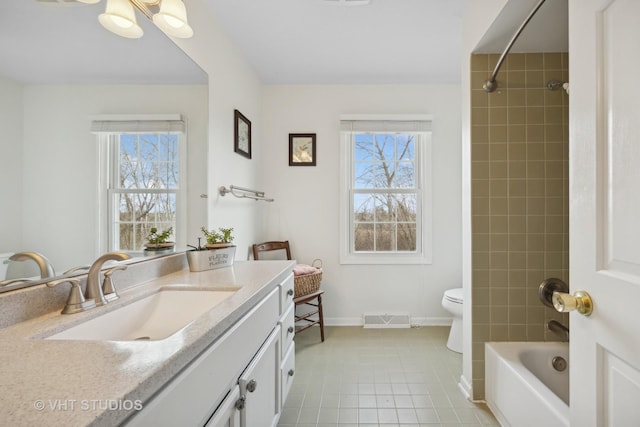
(154, 317)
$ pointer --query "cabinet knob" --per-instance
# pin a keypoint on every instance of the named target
(290, 292)
(251, 386)
(291, 372)
(240, 403)
(291, 329)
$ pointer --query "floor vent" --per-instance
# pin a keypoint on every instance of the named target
(386, 320)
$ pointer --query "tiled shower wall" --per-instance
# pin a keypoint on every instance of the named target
(519, 146)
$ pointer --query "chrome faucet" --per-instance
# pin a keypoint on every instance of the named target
(558, 328)
(46, 269)
(94, 288)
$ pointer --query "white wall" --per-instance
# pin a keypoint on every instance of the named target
(10, 165)
(233, 84)
(477, 19)
(306, 206)
(59, 171)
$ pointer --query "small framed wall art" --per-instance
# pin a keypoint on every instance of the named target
(302, 149)
(242, 134)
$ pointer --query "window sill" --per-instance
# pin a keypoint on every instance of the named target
(388, 259)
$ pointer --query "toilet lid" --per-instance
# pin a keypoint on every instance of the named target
(454, 295)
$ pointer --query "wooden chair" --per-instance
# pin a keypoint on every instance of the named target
(314, 299)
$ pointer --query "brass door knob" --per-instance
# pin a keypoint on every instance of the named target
(579, 301)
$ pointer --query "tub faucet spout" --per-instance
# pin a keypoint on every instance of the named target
(94, 289)
(558, 328)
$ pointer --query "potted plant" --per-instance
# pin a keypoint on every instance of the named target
(220, 238)
(218, 252)
(157, 240)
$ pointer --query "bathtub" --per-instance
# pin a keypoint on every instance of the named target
(522, 388)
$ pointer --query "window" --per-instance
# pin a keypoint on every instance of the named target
(385, 190)
(141, 179)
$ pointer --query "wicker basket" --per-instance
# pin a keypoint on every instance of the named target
(308, 283)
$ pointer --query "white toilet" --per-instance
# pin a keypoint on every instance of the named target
(452, 302)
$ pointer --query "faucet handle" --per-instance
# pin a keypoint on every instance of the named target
(108, 288)
(76, 269)
(76, 301)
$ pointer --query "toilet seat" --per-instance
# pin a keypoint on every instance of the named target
(454, 295)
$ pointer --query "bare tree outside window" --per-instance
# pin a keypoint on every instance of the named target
(385, 198)
(146, 186)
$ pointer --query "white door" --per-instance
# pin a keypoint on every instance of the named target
(604, 117)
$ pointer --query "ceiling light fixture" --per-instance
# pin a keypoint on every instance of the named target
(168, 15)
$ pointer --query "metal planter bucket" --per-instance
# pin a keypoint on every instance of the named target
(211, 259)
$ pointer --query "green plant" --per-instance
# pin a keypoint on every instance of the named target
(222, 235)
(156, 238)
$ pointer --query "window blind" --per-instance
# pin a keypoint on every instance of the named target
(385, 125)
(108, 126)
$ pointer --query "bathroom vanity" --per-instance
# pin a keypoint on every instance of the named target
(232, 365)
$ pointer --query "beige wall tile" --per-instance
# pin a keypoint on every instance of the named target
(517, 97)
(517, 115)
(479, 98)
(479, 116)
(498, 170)
(535, 94)
(479, 63)
(519, 197)
(480, 170)
(479, 152)
(517, 133)
(497, 115)
(534, 61)
(480, 205)
(516, 61)
(552, 61)
(517, 242)
(498, 134)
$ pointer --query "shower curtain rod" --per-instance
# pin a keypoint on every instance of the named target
(491, 84)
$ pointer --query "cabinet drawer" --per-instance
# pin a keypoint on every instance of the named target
(287, 370)
(286, 293)
(288, 329)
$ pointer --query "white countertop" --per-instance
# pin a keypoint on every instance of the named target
(78, 383)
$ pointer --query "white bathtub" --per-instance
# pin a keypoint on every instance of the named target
(521, 386)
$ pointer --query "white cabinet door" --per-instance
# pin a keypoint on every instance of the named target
(604, 206)
(227, 415)
(260, 385)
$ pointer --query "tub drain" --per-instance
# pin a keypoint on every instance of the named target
(559, 363)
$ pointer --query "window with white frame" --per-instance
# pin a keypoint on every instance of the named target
(142, 161)
(386, 200)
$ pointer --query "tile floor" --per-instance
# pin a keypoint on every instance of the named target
(379, 377)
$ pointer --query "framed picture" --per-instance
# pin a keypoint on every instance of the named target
(302, 149)
(242, 135)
